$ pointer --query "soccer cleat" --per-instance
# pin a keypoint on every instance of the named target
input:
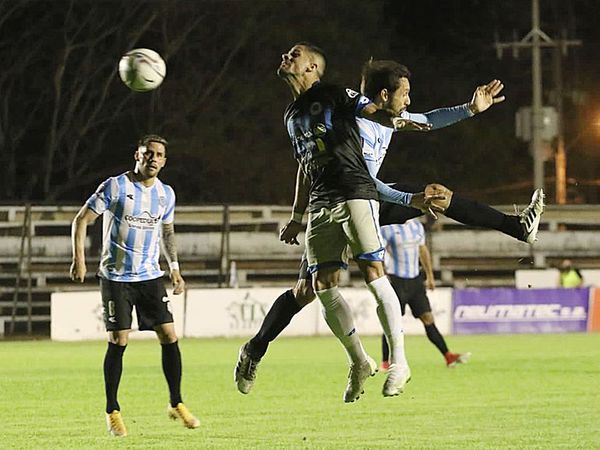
(115, 424)
(244, 373)
(530, 216)
(452, 359)
(180, 412)
(357, 377)
(385, 365)
(396, 380)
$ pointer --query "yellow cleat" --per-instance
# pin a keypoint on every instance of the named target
(115, 424)
(181, 412)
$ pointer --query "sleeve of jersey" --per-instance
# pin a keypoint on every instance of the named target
(391, 195)
(100, 200)
(354, 102)
(421, 234)
(169, 215)
(441, 117)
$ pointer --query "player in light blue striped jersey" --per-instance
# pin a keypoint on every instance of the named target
(406, 253)
(138, 211)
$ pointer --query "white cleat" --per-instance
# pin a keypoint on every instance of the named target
(396, 380)
(357, 377)
(530, 216)
(244, 373)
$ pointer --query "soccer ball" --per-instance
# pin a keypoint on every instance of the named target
(142, 69)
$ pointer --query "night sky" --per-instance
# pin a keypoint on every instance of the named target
(67, 122)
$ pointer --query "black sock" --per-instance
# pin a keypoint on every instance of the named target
(470, 212)
(278, 317)
(113, 367)
(171, 364)
(436, 338)
(385, 349)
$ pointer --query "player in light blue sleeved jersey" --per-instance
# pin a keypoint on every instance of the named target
(138, 212)
(387, 84)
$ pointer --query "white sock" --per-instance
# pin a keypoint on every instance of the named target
(390, 317)
(338, 316)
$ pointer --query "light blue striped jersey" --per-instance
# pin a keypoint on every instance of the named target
(402, 247)
(133, 215)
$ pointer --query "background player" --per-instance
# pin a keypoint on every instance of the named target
(136, 208)
(405, 249)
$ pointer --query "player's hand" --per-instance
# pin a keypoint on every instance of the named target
(409, 125)
(486, 96)
(178, 282)
(289, 233)
(430, 283)
(424, 202)
(437, 197)
(78, 271)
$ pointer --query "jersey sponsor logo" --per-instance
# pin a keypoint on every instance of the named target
(144, 221)
(351, 93)
(516, 313)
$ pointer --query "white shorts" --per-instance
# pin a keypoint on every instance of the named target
(353, 223)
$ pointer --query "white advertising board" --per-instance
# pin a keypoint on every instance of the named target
(77, 316)
(239, 312)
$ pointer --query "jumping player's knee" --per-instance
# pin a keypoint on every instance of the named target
(371, 270)
(326, 278)
(440, 205)
(427, 318)
(304, 293)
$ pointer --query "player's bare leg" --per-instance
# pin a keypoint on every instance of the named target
(171, 364)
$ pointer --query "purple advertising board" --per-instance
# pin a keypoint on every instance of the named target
(487, 311)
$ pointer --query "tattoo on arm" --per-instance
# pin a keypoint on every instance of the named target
(168, 235)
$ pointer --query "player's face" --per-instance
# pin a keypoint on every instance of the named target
(295, 62)
(399, 99)
(151, 158)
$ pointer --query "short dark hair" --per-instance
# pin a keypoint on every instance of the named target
(382, 74)
(316, 50)
(146, 139)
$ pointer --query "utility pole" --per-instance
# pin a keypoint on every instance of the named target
(535, 40)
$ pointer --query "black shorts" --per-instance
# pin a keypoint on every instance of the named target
(392, 213)
(149, 297)
(411, 292)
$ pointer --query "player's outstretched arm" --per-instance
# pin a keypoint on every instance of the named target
(168, 237)
(84, 217)
(484, 97)
(425, 258)
(388, 118)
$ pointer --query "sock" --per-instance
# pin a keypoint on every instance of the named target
(278, 317)
(390, 317)
(113, 368)
(436, 338)
(338, 316)
(385, 349)
(171, 364)
(470, 212)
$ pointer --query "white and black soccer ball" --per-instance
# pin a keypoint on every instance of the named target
(142, 69)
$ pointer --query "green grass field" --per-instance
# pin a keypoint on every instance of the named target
(520, 391)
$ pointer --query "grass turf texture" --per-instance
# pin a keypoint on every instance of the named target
(520, 391)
